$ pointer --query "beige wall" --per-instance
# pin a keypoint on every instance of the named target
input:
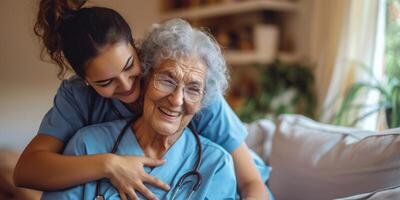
(28, 85)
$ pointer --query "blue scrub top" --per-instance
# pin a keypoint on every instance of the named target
(76, 105)
(216, 167)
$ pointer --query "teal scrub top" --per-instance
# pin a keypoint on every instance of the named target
(77, 105)
(216, 167)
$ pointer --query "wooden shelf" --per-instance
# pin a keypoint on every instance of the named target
(248, 57)
(231, 8)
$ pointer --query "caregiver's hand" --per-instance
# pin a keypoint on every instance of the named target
(127, 175)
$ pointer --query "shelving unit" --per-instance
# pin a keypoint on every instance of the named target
(211, 12)
(230, 8)
(243, 58)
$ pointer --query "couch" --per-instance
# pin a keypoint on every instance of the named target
(312, 160)
(8, 191)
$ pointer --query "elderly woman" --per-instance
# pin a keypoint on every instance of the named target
(184, 69)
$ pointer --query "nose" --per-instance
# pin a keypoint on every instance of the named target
(176, 97)
(125, 83)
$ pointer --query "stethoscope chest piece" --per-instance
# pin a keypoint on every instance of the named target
(99, 197)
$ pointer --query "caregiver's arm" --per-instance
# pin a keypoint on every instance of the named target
(41, 166)
(249, 180)
(219, 123)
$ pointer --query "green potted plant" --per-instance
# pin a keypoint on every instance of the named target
(273, 89)
(388, 88)
(389, 102)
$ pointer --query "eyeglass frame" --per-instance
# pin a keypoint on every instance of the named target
(157, 83)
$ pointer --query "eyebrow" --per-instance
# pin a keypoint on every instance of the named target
(170, 74)
(123, 69)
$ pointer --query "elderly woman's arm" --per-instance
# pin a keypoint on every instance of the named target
(249, 180)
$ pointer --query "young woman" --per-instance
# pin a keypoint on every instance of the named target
(97, 44)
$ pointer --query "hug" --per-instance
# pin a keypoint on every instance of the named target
(138, 121)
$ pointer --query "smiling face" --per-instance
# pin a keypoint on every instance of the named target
(168, 113)
(114, 73)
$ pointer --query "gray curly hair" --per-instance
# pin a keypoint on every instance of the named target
(175, 39)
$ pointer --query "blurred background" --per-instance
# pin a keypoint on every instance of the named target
(334, 61)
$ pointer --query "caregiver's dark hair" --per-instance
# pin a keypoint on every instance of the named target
(74, 35)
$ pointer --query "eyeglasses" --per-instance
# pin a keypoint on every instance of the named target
(192, 93)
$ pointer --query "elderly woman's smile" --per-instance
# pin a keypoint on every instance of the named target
(170, 113)
(174, 94)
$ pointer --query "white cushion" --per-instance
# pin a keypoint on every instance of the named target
(311, 160)
(260, 137)
(392, 193)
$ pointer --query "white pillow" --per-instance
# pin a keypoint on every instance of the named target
(311, 160)
(260, 137)
(392, 193)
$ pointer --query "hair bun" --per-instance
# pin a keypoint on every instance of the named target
(49, 19)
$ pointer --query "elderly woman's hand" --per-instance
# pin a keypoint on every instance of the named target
(127, 175)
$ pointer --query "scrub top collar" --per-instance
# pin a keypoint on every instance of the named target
(121, 108)
(174, 157)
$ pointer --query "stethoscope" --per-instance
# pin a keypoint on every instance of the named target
(193, 173)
